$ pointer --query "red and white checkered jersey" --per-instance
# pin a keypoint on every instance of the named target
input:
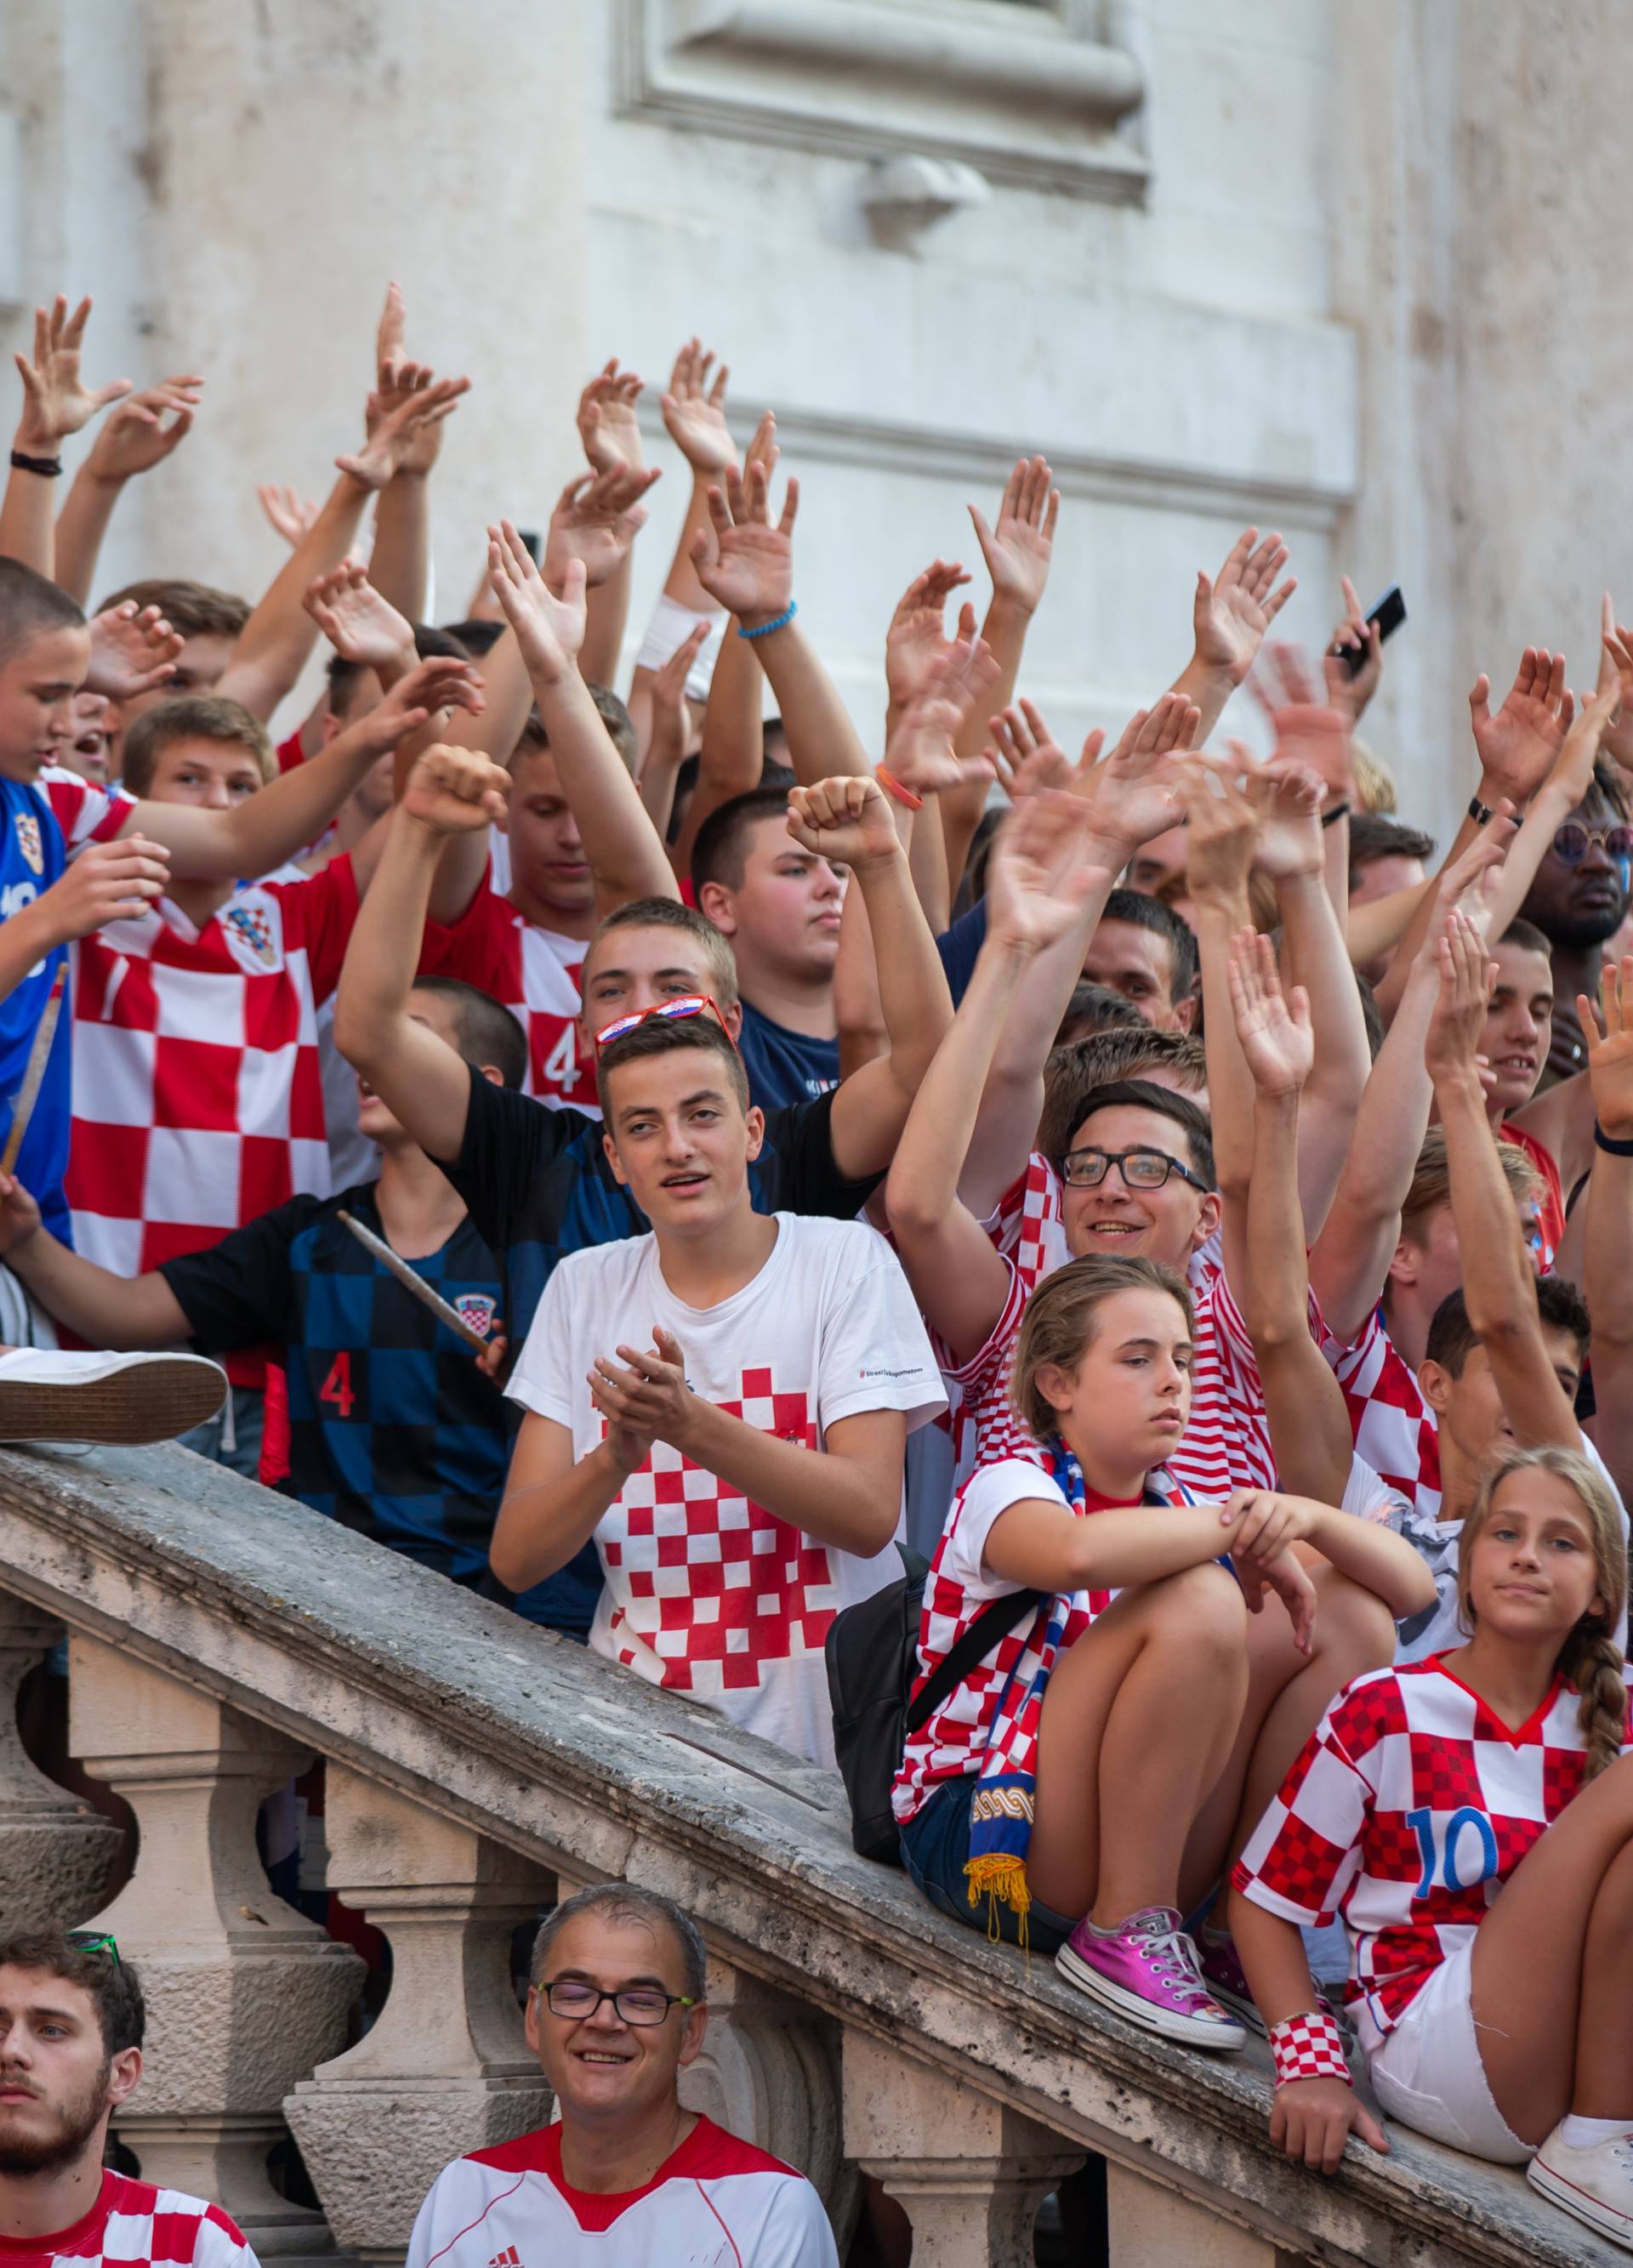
(1550, 1195)
(84, 812)
(1411, 1806)
(533, 972)
(713, 2203)
(955, 1739)
(707, 1592)
(198, 1101)
(135, 2225)
(1393, 1427)
(1227, 1442)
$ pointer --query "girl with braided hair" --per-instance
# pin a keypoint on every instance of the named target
(1491, 2022)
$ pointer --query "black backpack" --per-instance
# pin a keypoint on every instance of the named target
(873, 1655)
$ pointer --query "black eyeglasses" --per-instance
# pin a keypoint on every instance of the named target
(1140, 1169)
(88, 1940)
(639, 2004)
(1573, 842)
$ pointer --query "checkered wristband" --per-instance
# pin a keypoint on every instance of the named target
(1308, 2047)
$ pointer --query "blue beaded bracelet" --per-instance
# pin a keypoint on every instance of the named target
(765, 628)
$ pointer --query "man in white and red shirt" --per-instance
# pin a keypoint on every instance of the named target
(71, 2021)
(625, 2178)
(743, 1479)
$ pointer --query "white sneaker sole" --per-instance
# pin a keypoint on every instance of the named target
(1190, 2031)
(1577, 2202)
(152, 1401)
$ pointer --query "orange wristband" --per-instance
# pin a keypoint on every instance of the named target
(893, 786)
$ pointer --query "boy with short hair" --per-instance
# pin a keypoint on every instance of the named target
(742, 1477)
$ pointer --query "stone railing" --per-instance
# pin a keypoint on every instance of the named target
(220, 1636)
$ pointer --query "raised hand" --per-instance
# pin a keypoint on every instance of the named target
(455, 790)
(1451, 1050)
(1609, 1035)
(550, 629)
(1025, 756)
(597, 516)
(401, 426)
(1287, 797)
(135, 438)
(608, 425)
(1310, 729)
(290, 513)
(56, 400)
(442, 682)
(1231, 614)
(846, 819)
(1615, 659)
(107, 882)
(1572, 771)
(397, 381)
(743, 561)
(1221, 826)
(918, 634)
(132, 651)
(1518, 745)
(671, 721)
(1041, 868)
(1019, 550)
(361, 625)
(1355, 634)
(921, 755)
(694, 412)
(1273, 1026)
(1136, 788)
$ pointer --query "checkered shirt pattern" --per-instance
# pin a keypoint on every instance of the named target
(137, 2225)
(1410, 1807)
(1227, 1443)
(1394, 1428)
(85, 813)
(535, 973)
(198, 1099)
(1308, 2047)
(707, 1588)
(1550, 1194)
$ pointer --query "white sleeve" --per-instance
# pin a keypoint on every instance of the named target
(542, 1378)
(794, 2234)
(1368, 1495)
(215, 2247)
(989, 1493)
(875, 1352)
(421, 2238)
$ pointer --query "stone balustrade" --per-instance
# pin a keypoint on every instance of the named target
(220, 1635)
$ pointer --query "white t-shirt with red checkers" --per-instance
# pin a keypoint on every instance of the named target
(1411, 1806)
(707, 1592)
(1227, 1442)
(135, 2225)
(198, 1099)
(533, 972)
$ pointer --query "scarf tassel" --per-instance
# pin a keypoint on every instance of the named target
(1000, 1877)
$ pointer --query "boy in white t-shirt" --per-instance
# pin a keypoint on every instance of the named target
(723, 1405)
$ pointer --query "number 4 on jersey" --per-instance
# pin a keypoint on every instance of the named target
(336, 1387)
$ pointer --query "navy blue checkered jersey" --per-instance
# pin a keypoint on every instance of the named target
(539, 1186)
(393, 1429)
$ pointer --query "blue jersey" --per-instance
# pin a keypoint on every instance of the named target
(784, 1066)
(39, 826)
(393, 1429)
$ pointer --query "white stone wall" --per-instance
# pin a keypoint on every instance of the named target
(1348, 273)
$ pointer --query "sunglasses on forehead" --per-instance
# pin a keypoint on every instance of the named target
(687, 1003)
(90, 1941)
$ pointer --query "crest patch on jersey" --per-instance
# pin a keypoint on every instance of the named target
(250, 927)
(477, 1309)
(28, 841)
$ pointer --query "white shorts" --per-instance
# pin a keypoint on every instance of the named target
(1428, 2073)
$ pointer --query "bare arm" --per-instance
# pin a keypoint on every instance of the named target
(1609, 1243)
(610, 432)
(104, 1310)
(133, 440)
(56, 403)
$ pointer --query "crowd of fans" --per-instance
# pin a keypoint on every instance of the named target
(642, 1157)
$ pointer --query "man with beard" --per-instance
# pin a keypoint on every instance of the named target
(1579, 901)
(72, 2020)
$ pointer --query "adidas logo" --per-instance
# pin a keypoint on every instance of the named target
(508, 2258)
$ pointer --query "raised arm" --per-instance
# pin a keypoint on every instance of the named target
(1303, 1404)
(1499, 1288)
(399, 564)
(422, 1083)
(1609, 1243)
(130, 442)
(1222, 834)
(620, 843)
(56, 402)
(610, 433)
(1229, 618)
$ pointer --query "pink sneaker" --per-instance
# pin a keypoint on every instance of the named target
(1147, 1970)
(1226, 1979)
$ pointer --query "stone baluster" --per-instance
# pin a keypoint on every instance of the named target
(1150, 2227)
(445, 2068)
(969, 2173)
(59, 1857)
(244, 1995)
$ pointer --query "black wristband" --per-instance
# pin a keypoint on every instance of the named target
(1338, 811)
(1482, 814)
(1603, 1141)
(48, 467)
